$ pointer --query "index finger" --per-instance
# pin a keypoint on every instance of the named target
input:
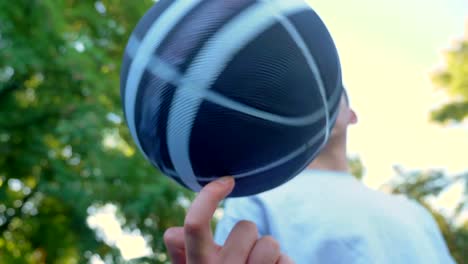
(198, 236)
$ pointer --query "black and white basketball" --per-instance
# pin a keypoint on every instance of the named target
(243, 88)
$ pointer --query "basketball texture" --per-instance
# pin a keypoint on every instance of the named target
(231, 87)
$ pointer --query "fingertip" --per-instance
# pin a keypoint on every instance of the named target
(173, 235)
(226, 180)
(227, 183)
(219, 188)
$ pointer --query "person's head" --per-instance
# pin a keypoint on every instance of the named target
(346, 117)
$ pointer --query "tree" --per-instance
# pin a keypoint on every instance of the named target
(64, 147)
(356, 167)
(453, 79)
(421, 185)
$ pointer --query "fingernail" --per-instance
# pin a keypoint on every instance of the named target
(225, 180)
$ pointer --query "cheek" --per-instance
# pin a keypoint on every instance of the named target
(341, 118)
(338, 124)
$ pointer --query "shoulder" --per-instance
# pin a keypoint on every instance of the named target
(239, 209)
(246, 208)
(403, 214)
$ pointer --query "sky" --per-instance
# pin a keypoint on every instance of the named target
(388, 49)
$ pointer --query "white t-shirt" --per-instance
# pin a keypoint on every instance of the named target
(331, 217)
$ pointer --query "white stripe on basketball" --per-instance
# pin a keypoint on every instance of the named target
(209, 63)
(226, 102)
(291, 29)
(153, 38)
(132, 46)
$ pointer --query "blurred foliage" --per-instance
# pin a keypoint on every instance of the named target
(424, 185)
(356, 167)
(453, 79)
(63, 144)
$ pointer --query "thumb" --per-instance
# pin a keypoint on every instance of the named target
(174, 239)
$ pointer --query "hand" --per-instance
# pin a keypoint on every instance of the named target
(193, 243)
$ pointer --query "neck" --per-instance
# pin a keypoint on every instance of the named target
(332, 157)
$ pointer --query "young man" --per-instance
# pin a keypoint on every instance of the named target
(325, 215)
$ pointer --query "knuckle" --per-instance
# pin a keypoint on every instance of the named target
(270, 242)
(192, 227)
(247, 225)
(170, 235)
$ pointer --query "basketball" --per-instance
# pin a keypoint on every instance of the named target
(240, 88)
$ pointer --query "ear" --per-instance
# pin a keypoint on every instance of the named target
(353, 119)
